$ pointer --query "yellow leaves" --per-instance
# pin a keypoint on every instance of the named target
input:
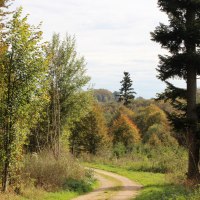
(126, 111)
(90, 133)
(100, 121)
(125, 131)
(154, 140)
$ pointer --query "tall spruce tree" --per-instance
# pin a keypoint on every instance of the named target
(126, 91)
(182, 38)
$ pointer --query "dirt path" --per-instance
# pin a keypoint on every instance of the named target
(112, 187)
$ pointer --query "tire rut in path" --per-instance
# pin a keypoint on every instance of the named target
(112, 187)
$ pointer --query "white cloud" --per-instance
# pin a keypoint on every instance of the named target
(112, 35)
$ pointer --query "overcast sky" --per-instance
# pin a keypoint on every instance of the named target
(112, 35)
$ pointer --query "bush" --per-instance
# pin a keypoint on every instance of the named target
(160, 159)
(52, 174)
(119, 150)
(79, 186)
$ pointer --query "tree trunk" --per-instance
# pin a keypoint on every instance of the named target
(7, 136)
(193, 144)
(5, 176)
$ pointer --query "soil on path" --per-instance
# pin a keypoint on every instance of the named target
(112, 187)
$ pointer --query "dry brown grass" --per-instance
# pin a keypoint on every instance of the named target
(50, 173)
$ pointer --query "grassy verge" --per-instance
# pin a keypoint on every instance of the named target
(40, 194)
(62, 195)
(155, 186)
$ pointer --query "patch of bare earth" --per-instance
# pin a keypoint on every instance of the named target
(112, 187)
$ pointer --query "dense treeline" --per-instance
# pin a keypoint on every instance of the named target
(141, 123)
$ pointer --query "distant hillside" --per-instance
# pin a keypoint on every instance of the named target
(103, 95)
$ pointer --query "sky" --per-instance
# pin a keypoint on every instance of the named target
(112, 35)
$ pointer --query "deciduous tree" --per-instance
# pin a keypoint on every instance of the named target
(67, 100)
(23, 71)
(125, 131)
(90, 133)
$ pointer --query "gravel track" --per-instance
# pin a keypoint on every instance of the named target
(112, 187)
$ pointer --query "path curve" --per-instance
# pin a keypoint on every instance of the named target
(112, 187)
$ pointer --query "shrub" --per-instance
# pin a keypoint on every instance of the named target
(52, 174)
(160, 159)
(119, 150)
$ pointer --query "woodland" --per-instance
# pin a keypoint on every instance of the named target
(51, 126)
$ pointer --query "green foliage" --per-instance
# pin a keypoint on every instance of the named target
(177, 117)
(90, 133)
(154, 126)
(23, 69)
(151, 121)
(62, 195)
(147, 159)
(110, 110)
(157, 134)
(155, 186)
(68, 74)
(181, 37)
(148, 116)
(68, 103)
(140, 103)
(119, 149)
(79, 186)
(126, 92)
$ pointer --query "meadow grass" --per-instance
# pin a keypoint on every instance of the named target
(155, 185)
(40, 194)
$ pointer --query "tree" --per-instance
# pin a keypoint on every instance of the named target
(152, 120)
(3, 12)
(67, 100)
(126, 92)
(23, 71)
(124, 131)
(3, 5)
(177, 115)
(182, 38)
(90, 133)
(159, 134)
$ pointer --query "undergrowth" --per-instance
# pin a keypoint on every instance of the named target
(155, 185)
(161, 170)
(48, 178)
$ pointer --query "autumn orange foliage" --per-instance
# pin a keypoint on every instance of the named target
(125, 131)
